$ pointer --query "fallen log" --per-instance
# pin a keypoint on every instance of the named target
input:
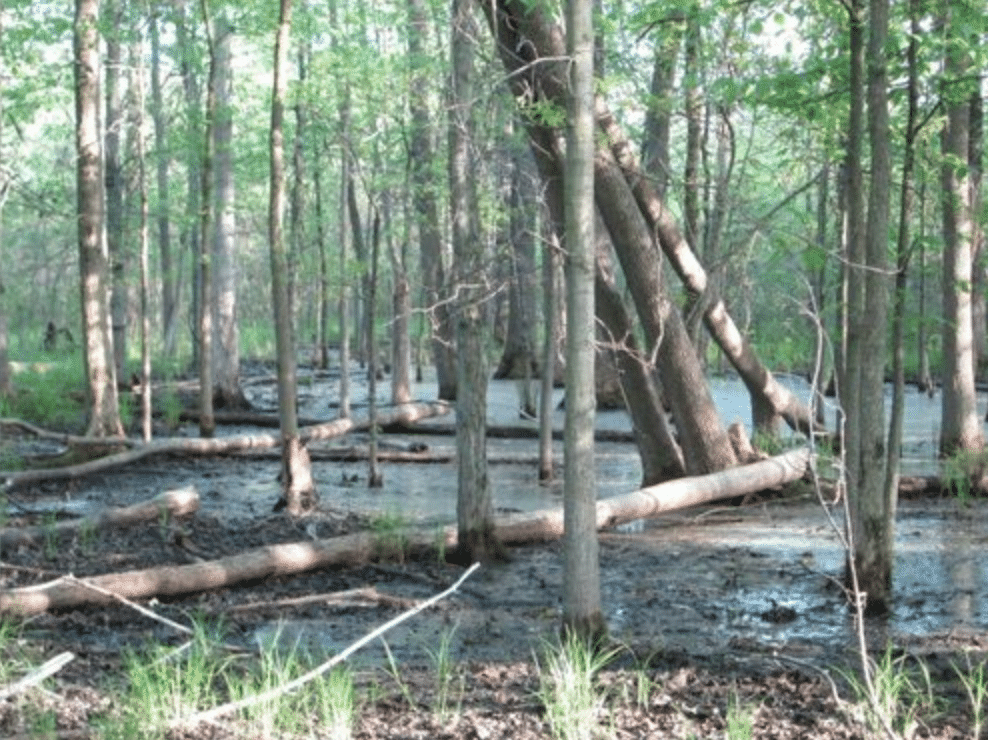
(175, 503)
(404, 414)
(294, 558)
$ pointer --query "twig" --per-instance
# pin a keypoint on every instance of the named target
(216, 712)
(137, 607)
(352, 597)
(38, 675)
(145, 611)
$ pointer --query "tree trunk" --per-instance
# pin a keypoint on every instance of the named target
(424, 197)
(517, 28)
(979, 282)
(703, 438)
(5, 384)
(227, 393)
(188, 47)
(661, 456)
(104, 412)
(207, 219)
(474, 504)
(169, 297)
(344, 240)
(114, 186)
(518, 359)
(322, 290)
(693, 109)
(658, 116)
(296, 470)
(374, 477)
(872, 506)
(582, 613)
(550, 328)
(137, 83)
(401, 311)
(961, 425)
(903, 255)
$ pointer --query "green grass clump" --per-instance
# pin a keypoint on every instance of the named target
(49, 394)
(568, 687)
(900, 694)
(390, 533)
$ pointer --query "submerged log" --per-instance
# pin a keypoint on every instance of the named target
(355, 549)
(179, 502)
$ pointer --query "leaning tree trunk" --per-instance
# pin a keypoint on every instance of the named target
(296, 469)
(522, 35)
(703, 438)
(661, 457)
(104, 412)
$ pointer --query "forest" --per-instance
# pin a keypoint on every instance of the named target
(327, 234)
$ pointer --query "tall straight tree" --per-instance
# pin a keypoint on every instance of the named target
(961, 426)
(227, 392)
(422, 157)
(169, 293)
(104, 411)
(114, 183)
(298, 490)
(207, 422)
(582, 613)
(474, 505)
(5, 385)
(872, 508)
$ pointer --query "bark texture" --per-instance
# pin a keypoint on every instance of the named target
(298, 489)
(474, 503)
(582, 612)
(104, 413)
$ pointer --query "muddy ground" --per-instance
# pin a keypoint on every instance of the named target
(713, 606)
